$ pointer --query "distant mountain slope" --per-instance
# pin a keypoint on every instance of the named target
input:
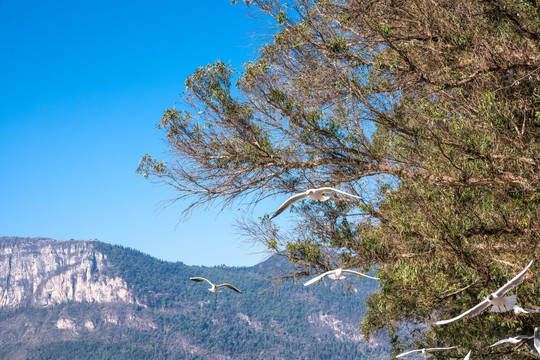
(90, 300)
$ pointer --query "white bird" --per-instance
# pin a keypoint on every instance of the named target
(423, 351)
(519, 338)
(468, 356)
(520, 310)
(537, 340)
(513, 340)
(320, 194)
(214, 288)
(500, 302)
(337, 274)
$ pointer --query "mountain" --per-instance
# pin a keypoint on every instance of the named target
(90, 300)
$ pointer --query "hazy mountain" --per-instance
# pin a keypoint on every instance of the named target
(90, 300)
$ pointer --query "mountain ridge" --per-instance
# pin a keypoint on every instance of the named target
(123, 303)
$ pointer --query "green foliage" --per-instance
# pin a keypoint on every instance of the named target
(281, 17)
(429, 111)
(338, 45)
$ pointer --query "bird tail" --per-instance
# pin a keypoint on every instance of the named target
(334, 277)
(509, 302)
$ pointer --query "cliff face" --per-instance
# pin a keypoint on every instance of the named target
(44, 272)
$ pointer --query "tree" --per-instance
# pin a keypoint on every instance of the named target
(429, 110)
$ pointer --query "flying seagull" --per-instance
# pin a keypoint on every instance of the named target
(516, 339)
(500, 302)
(214, 288)
(468, 356)
(513, 340)
(337, 274)
(423, 351)
(320, 194)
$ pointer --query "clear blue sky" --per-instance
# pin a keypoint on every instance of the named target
(83, 85)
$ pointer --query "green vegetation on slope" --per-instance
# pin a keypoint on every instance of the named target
(180, 319)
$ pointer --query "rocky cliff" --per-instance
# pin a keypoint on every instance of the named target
(45, 272)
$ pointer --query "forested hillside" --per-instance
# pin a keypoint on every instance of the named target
(169, 316)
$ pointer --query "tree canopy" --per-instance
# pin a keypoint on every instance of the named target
(427, 109)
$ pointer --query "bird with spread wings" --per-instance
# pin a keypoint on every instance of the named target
(214, 288)
(499, 302)
(320, 194)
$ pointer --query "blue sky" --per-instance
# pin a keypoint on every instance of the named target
(83, 86)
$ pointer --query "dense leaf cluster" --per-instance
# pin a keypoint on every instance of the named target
(428, 109)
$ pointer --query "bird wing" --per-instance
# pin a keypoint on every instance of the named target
(514, 282)
(229, 286)
(338, 191)
(471, 312)
(468, 356)
(318, 278)
(526, 311)
(513, 340)
(200, 279)
(440, 348)
(519, 310)
(407, 353)
(502, 342)
(289, 202)
(537, 340)
(359, 273)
